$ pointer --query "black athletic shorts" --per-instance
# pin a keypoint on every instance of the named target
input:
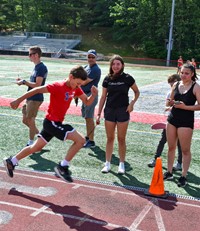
(116, 114)
(55, 129)
(180, 124)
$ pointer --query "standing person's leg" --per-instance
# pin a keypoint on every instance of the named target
(172, 142)
(121, 137)
(159, 149)
(178, 165)
(29, 115)
(88, 114)
(161, 144)
(11, 162)
(110, 134)
(185, 138)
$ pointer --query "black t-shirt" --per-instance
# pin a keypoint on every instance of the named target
(117, 90)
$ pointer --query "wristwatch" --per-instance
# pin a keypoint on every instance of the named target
(24, 81)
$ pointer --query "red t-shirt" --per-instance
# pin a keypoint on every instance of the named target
(60, 98)
(180, 62)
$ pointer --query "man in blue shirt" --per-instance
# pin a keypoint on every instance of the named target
(94, 74)
(37, 78)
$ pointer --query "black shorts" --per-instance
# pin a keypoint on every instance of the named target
(55, 129)
(116, 114)
(181, 124)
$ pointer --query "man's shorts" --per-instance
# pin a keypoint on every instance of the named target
(30, 109)
(88, 111)
(55, 129)
(116, 114)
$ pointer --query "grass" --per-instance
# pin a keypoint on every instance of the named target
(141, 140)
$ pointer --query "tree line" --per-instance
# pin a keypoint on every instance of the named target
(143, 25)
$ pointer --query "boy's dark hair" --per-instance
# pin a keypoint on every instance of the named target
(36, 49)
(79, 72)
(173, 78)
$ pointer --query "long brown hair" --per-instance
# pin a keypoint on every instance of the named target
(111, 73)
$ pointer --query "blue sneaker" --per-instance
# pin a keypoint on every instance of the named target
(89, 144)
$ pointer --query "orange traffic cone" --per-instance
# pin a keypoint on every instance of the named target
(156, 188)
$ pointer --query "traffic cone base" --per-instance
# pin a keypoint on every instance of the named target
(164, 196)
(156, 188)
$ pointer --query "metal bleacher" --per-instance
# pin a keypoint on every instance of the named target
(49, 43)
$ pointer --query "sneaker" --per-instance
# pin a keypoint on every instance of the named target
(182, 181)
(106, 168)
(168, 176)
(121, 168)
(63, 172)
(177, 167)
(89, 144)
(9, 166)
(152, 163)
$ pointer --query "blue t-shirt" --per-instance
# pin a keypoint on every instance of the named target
(40, 70)
(94, 73)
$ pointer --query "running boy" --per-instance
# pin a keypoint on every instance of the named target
(61, 95)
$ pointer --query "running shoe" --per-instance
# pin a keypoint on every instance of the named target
(9, 166)
(182, 181)
(106, 168)
(89, 144)
(177, 167)
(168, 176)
(121, 168)
(63, 172)
(152, 163)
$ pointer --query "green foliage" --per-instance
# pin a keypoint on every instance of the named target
(131, 23)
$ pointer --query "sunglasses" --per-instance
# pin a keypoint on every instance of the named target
(91, 57)
(31, 54)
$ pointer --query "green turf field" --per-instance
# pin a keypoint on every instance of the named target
(141, 140)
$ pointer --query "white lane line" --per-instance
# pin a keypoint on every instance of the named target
(40, 191)
(140, 217)
(42, 209)
(158, 216)
(102, 223)
(5, 217)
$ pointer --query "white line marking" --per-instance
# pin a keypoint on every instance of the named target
(158, 216)
(140, 217)
(41, 191)
(42, 209)
(103, 223)
(5, 217)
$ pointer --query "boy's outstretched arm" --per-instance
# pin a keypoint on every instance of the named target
(15, 104)
(89, 100)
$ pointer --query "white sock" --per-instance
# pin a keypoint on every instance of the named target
(121, 164)
(64, 163)
(107, 164)
(14, 160)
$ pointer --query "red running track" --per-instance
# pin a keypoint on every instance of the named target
(33, 201)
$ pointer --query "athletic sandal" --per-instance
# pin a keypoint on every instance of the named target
(9, 166)
(63, 172)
